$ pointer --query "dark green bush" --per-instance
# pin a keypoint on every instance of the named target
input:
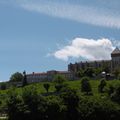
(98, 109)
(46, 86)
(58, 87)
(71, 100)
(67, 105)
(85, 85)
(102, 85)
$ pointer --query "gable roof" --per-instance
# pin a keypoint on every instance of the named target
(116, 51)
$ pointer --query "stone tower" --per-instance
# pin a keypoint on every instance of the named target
(115, 55)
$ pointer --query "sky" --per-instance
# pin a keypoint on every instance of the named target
(42, 35)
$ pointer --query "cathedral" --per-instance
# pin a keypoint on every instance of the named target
(112, 64)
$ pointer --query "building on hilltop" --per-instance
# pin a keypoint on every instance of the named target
(88, 64)
(48, 76)
(112, 64)
(115, 62)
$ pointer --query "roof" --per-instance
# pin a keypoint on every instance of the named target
(44, 73)
(116, 51)
(63, 72)
(37, 74)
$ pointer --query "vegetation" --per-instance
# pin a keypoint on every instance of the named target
(16, 77)
(3, 86)
(102, 85)
(68, 103)
(85, 85)
(59, 79)
(46, 86)
(24, 80)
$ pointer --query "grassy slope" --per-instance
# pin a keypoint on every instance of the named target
(71, 84)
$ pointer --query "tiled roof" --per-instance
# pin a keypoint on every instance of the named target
(37, 74)
(63, 72)
(44, 73)
(116, 51)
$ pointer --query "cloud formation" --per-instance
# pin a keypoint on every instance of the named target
(98, 16)
(89, 49)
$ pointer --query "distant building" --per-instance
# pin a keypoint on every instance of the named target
(48, 76)
(73, 68)
(115, 62)
(111, 64)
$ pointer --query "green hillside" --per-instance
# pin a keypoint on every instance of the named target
(16, 101)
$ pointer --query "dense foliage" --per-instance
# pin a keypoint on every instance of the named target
(67, 105)
(46, 86)
(64, 102)
(102, 85)
(16, 77)
(85, 85)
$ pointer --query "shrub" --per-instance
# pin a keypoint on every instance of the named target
(101, 86)
(46, 86)
(116, 95)
(71, 100)
(55, 109)
(59, 79)
(94, 108)
(14, 105)
(58, 87)
(85, 85)
(3, 86)
(111, 90)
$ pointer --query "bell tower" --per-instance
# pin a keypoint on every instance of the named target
(115, 55)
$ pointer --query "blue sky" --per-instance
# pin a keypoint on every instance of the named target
(40, 35)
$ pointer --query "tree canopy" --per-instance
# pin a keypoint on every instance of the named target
(16, 77)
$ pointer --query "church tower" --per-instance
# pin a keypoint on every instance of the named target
(115, 55)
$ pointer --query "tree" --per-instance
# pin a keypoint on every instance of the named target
(97, 71)
(46, 86)
(85, 85)
(116, 72)
(58, 87)
(59, 79)
(102, 85)
(71, 100)
(28, 105)
(89, 72)
(16, 77)
(111, 90)
(14, 104)
(24, 81)
(95, 108)
(32, 100)
(80, 73)
(116, 94)
(3, 86)
(55, 108)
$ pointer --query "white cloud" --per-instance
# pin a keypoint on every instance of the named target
(80, 13)
(86, 48)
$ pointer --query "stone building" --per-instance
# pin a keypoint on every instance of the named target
(115, 55)
(112, 64)
(48, 76)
